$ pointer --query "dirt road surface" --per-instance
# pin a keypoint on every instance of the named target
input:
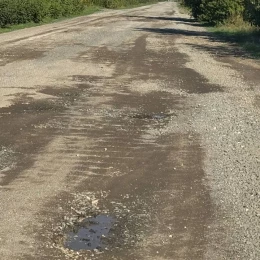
(130, 134)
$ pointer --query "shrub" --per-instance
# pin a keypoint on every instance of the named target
(55, 9)
(219, 11)
(252, 11)
(194, 5)
(35, 10)
(22, 11)
(216, 11)
(115, 3)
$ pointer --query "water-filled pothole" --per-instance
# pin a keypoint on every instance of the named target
(90, 234)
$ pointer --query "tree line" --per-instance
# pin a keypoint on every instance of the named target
(225, 11)
(24, 11)
(116, 3)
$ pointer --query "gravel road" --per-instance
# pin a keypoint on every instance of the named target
(128, 134)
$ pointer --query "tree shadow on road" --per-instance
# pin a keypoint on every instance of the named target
(174, 19)
(222, 50)
(173, 31)
(250, 43)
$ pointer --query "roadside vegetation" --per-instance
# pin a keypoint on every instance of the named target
(247, 36)
(236, 21)
(117, 3)
(16, 14)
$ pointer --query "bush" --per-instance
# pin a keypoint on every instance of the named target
(115, 3)
(33, 10)
(216, 11)
(220, 11)
(194, 5)
(23, 11)
(252, 11)
(55, 9)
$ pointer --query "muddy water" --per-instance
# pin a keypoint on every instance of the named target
(90, 234)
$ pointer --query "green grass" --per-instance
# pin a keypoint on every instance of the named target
(245, 35)
(88, 10)
(241, 33)
(138, 5)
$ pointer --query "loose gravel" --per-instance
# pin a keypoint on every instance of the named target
(229, 124)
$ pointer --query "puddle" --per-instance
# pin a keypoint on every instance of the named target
(91, 234)
(159, 116)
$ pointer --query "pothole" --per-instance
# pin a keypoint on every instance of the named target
(91, 234)
(93, 225)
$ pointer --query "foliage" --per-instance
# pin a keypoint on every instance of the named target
(245, 35)
(194, 5)
(116, 3)
(222, 11)
(14, 12)
(238, 21)
(23, 11)
(252, 11)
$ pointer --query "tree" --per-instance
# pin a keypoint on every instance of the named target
(216, 11)
(220, 11)
(252, 11)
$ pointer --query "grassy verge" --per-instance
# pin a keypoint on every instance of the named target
(87, 11)
(138, 5)
(241, 33)
(248, 37)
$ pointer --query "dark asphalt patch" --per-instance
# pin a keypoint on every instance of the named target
(142, 64)
(27, 126)
(19, 54)
(20, 133)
